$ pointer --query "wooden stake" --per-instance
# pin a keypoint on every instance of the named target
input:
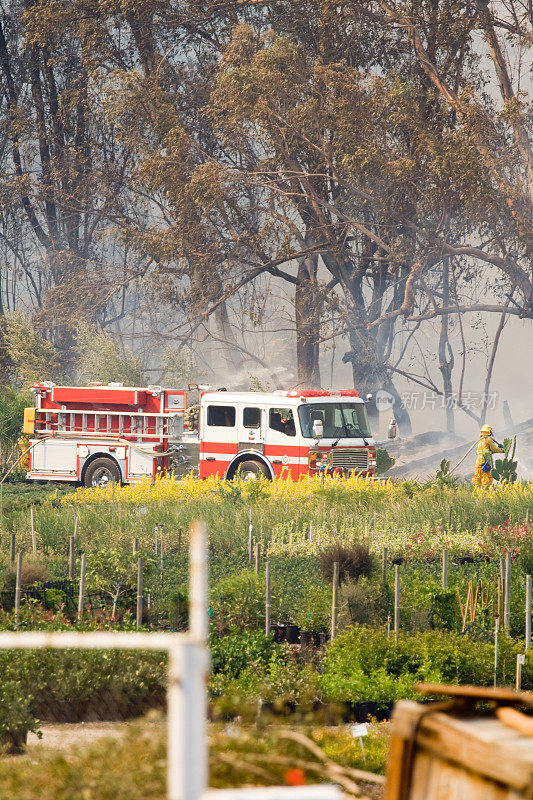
(334, 598)
(507, 595)
(156, 532)
(12, 549)
(528, 612)
(396, 601)
(250, 539)
(257, 557)
(161, 550)
(267, 597)
(71, 558)
(384, 565)
(139, 593)
(496, 626)
(474, 605)
(135, 545)
(81, 598)
(444, 569)
(520, 658)
(18, 581)
(34, 542)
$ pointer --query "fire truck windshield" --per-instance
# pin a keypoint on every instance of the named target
(340, 420)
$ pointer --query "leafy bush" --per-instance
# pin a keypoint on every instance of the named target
(33, 571)
(314, 613)
(238, 651)
(238, 602)
(353, 561)
(383, 461)
(365, 664)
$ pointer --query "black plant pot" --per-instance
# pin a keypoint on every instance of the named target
(307, 639)
(286, 633)
(384, 711)
(292, 634)
(365, 710)
(322, 639)
(279, 633)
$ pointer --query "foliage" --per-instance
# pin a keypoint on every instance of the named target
(366, 664)
(32, 357)
(12, 405)
(238, 651)
(238, 601)
(384, 461)
(133, 765)
(444, 477)
(314, 612)
(504, 469)
(354, 562)
(33, 571)
(100, 358)
(111, 571)
(16, 717)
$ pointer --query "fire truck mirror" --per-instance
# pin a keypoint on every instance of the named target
(318, 429)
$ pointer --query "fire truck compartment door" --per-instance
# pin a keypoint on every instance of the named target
(140, 464)
(53, 458)
(251, 427)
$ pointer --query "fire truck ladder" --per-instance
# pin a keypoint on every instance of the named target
(99, 424)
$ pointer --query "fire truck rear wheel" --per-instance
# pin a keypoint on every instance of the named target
(101, 472)
(253, 471)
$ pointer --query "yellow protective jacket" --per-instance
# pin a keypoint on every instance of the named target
(486, 446)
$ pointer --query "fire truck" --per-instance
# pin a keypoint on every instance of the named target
(97, 434)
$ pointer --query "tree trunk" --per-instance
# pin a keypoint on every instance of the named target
(370, 375)
(446, 359)
(307, 317)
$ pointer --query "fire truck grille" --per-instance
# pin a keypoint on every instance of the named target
(350, 459)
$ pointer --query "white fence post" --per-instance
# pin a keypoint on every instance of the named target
(187, 698)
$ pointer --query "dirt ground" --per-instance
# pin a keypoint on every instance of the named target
(67, 735)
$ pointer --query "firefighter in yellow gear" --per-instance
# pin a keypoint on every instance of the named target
(485, 448)
(24, 443)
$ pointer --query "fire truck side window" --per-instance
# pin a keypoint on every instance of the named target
(251, 417)
(282, 420)
(221, 416)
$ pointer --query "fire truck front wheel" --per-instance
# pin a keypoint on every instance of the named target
(252, 471)
(101, 472)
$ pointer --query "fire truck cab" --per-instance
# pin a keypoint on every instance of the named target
(98, 434)
(292, 433)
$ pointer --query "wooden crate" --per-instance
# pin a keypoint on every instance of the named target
(450, 751)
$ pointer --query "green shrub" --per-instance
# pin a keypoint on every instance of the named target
(366, 664)
(238, 601)
(238, 651)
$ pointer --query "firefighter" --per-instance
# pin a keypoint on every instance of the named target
(485, 448)
(23, 443)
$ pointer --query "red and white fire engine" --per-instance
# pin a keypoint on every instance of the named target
(99, 434)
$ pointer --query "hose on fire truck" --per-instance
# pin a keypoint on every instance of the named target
(24, 452)
(151, 453)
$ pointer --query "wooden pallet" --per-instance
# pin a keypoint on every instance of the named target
(451, 750)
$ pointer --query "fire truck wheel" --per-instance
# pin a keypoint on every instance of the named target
(252, 471)
(101, 472)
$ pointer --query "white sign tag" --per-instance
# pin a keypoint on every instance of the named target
(520, 659)
(359, 730)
